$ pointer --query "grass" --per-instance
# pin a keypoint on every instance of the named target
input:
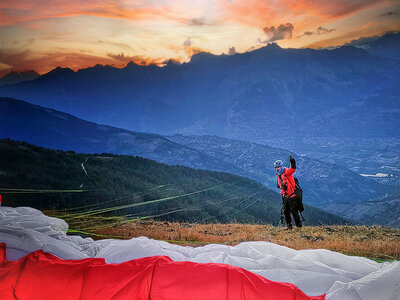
(375, 242)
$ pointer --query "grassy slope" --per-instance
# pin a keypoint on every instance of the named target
(372, 242)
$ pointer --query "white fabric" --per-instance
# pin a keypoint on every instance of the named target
(314, 271)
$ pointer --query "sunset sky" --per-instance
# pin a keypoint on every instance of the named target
(41, 35)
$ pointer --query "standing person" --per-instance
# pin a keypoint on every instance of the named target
(287, 186)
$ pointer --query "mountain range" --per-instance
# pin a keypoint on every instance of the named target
(338, 109)
(341, 106)
(264, 94)
(136, 188)
(325, 185)
(16, 77)
(387, 45)
(53, 129)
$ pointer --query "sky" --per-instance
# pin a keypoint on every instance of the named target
(41, 35)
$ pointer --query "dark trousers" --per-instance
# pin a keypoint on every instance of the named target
(290, 206)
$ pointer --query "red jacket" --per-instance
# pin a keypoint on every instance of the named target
(288, 180)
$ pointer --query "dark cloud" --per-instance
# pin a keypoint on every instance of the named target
(389, 13)
(190, 50)
(284, 31)
(232, 51)
(30, 41)
(120, 57)
(188, 43)
(85, 51)
(27, 43)
(322, 30)
(197, 22)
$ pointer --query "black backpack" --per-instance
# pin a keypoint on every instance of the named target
(299, 194)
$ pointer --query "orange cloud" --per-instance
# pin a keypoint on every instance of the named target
(263, 13)
(328, 9)
(251, 12)
(18, 12)
(163, 26)
(284, 31)
(305, 16)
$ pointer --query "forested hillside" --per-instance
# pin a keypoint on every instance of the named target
(135, 187)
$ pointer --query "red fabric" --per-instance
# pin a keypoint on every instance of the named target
(40, 275)
(2, 253)
(9, 271)
(45, 276)
(288, 180)
(128, 280)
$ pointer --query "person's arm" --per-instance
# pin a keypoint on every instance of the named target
(292, 168)
(278, 183)
(292, 162)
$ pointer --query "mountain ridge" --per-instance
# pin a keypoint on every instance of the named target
(322, 182)
(16, 77)
(213, 94)
(136, 187)
(325, 185)
(50, 128)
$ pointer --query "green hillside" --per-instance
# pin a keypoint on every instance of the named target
(119, 185)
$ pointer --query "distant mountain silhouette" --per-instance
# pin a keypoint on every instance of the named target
(53, 129)
(386, 46)
(255, 96)
(16, 77)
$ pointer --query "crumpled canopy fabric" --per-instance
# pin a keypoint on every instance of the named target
(315, 272)
(156, 277)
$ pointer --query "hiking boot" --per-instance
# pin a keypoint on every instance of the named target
(289, 226)
(299, 225)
